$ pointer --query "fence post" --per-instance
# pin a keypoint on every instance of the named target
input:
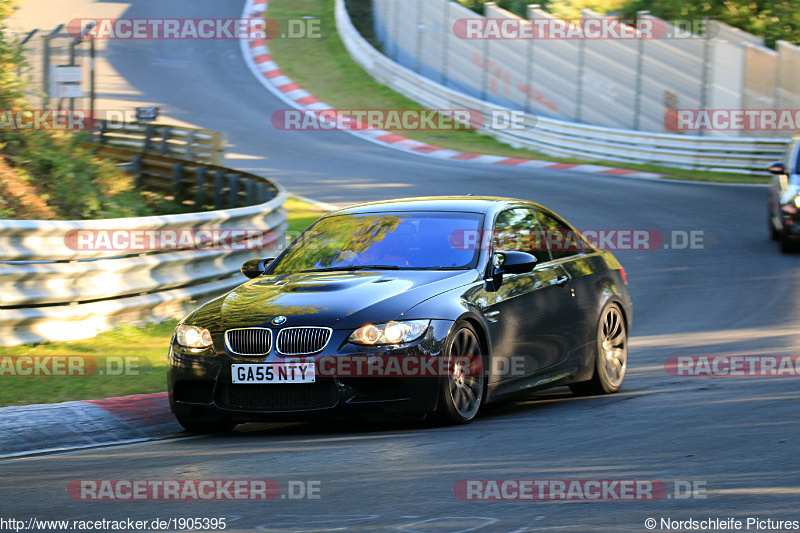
(706, 70)
(776, 85)
(637, 102)
(445, 39)
(149, 132)
(233, 184)
(420, 31)
(165, 133)
(395, 37)
(72, 64)
(529, 62)
(177, 180)
(485, 70)
(219, 141)
(200, 186)
(102, 127)
(249, 191)
(579, 89)
(46, 66)
(190, 145)
(21, 48)
(219, 200)
(136, 170)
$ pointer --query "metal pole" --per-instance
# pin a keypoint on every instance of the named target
(396, 36)
(706, 71)
(529, 62)
(85, 32)
(20, 47)
(28, 37)
(637, 110)
(420, 30)
(777, 80)
(445, 39)
(46, 65)
(91, 77)
(579, 90)
(72, 64)
(485, 69)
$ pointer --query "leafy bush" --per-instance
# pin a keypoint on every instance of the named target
(774, 20)
(360, 12)
(70, 180)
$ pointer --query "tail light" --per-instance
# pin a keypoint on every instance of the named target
(624, 275)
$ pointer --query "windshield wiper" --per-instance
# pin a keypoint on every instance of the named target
(354, 267)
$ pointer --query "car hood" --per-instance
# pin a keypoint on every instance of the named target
(334, 299)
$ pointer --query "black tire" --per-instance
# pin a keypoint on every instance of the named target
(611, 355)
(788, 244)
(460, 395)
(205, 428)
(774, 233)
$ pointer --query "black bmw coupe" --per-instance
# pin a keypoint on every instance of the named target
(415, 307)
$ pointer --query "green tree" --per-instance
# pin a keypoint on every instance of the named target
(571, 9)
(772, 19)
(66, 175)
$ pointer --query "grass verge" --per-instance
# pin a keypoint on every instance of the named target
(130, 359)
(324, 68)
(127, 360)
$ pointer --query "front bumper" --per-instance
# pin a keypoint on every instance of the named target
(200, 385)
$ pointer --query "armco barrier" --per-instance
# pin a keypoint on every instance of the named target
(51, 290)
(192, 181)
(567, 139)
(167, 140)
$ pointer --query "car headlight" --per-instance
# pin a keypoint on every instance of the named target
(797, 201)
(193, 336)
(390, 332)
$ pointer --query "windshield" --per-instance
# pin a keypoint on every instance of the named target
(405, 240)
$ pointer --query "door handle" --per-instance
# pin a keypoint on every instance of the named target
(563, 280)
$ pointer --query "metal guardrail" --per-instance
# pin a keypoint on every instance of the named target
(53, 289)
(566, 139)
(204, 185)
(172, 141)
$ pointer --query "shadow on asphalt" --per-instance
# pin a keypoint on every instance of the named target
(354, 425)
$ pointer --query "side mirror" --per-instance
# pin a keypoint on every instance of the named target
(513, 262)
(255, 267)
(777, 168)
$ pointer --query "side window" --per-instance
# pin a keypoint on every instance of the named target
(562, 240)
(517, 230)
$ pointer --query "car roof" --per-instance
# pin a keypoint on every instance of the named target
(470, 204)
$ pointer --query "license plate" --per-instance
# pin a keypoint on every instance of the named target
(274, 373)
